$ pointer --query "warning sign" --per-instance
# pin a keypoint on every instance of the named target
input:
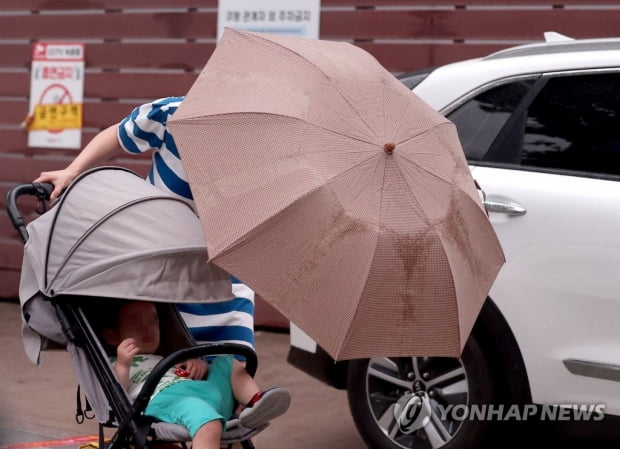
(298, 18)
(56, 95)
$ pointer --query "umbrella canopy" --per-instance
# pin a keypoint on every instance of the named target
(338, 195)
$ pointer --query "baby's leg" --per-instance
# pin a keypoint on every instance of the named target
(243, 385)
(259, 407)
(208, 436)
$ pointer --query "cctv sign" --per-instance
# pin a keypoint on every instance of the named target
(56, 95)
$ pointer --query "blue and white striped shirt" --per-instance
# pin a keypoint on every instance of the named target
(230, 321)
(146, 129)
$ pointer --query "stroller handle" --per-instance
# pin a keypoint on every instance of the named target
(41, 190)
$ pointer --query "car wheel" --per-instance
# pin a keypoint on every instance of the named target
(420, 402)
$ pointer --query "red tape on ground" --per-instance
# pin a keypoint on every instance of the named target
(65, 442)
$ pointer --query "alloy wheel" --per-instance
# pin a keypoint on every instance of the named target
(392, 383)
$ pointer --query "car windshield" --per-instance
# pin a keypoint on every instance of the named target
(412, 79)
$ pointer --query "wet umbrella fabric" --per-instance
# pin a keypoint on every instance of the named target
(338, 195)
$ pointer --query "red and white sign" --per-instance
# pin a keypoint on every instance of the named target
(56, 95)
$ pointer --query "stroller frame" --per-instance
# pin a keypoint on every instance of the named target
(133, 427)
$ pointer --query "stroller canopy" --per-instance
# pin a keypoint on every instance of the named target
(113, 234)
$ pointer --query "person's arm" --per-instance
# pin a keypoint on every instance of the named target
(125, 352)
(101, 148)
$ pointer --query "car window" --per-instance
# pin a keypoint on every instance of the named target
(568, 123)
(480, 120)
(572, 124)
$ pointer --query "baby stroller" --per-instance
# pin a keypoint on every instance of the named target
(112, 235)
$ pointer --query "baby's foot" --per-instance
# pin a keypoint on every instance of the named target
(265, 406)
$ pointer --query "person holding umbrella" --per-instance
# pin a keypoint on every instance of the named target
(308, 159)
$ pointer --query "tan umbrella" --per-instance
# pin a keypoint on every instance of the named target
(339, 196)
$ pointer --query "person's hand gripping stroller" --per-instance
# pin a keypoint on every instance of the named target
(101, 148)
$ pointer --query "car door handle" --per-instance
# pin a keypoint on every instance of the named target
(509, 208)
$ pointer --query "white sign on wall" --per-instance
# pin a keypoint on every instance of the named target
(293, 18)
(56, 95)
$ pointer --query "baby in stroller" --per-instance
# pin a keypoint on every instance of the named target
(182, 396)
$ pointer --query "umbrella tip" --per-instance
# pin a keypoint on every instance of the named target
(389, 147)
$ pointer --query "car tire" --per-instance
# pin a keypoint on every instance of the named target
(378, 388)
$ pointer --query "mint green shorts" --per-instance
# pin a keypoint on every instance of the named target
(193, 403)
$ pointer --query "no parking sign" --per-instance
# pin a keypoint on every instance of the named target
(56, 95)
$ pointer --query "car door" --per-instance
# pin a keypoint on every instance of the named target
(546, 151)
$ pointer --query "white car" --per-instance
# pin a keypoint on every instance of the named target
(540, 126)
